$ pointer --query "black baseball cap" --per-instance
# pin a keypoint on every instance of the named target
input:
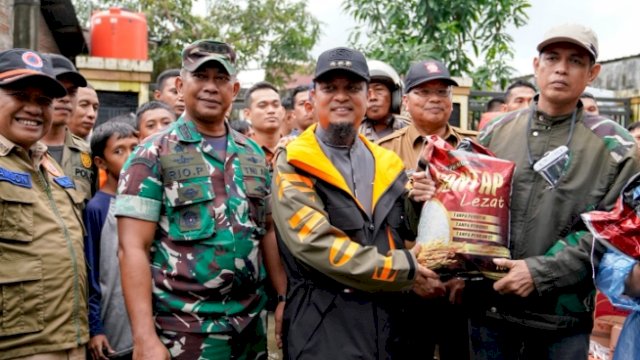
(344, 59)
(200, 52)
(18, 65)
(63, 67)
(428, 70)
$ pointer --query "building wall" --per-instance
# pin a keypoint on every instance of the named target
(620, 74)
(46, 43)
(6, 24)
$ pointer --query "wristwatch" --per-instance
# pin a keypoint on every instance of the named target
(282, 298)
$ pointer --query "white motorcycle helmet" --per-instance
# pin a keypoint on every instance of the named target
(379, 70)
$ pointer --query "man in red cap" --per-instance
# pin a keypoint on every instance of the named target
(42, 269)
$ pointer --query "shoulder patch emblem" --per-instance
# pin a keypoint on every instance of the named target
(65, 182)
(85, 159)
(16, 178)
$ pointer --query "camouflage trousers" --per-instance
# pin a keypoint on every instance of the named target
(250, 344)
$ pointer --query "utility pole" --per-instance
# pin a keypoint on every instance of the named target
(26, 21)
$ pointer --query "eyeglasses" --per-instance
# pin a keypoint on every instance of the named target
(424, 93)
(28, 97)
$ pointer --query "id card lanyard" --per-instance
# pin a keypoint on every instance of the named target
(535, 110)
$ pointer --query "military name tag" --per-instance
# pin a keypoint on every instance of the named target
(183, 166)
(257, 171)
(65, 182)
(16, 178)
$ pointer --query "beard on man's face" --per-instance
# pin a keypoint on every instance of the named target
(341, 133)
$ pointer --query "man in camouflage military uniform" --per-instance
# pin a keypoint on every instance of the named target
(568, 162)
(43, 285)
(69, 150)
(193, 199)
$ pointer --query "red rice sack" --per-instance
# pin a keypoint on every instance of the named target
(466, 224)
(620, 227)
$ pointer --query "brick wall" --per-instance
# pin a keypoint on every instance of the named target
(46, 43)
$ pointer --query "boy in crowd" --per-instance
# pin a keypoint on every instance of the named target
(167, 92)
(153, 116)
(111, 144)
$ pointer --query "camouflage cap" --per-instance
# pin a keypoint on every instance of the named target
(572, 33)
(202, 51)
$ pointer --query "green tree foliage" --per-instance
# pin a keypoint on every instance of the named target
(276, 35)
(468, 35)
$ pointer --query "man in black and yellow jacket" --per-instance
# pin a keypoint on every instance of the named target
(339, 208)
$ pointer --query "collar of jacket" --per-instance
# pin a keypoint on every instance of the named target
(306, 154)
(545, 119)
(72, 141)
(36, 151)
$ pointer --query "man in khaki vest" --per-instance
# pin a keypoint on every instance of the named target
(42, 269)
(69, 150)
(428, 99)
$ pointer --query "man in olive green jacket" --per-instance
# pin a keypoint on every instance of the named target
(42, 269)
(568, 162)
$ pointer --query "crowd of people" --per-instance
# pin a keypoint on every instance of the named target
(172, 232)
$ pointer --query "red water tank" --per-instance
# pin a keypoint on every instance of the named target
(117, 33)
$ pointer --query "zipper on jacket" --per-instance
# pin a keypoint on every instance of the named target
(534, 186)
(74, 260)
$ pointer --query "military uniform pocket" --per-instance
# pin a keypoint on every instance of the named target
(21, 296)
(256, 188)
(396, 218)
(16, 214)
(77, 199)
(190, 210)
